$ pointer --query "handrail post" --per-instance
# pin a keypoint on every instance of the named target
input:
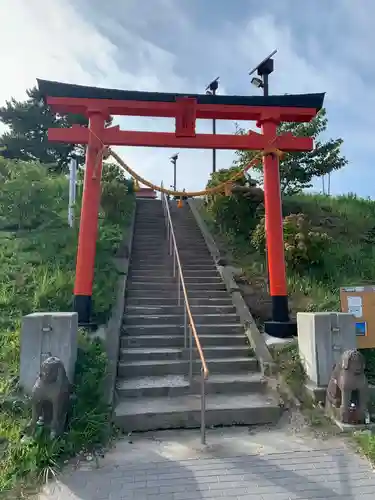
(185, 325)
(174, 262)
(203, 406)
(190, 355)
(178, 288)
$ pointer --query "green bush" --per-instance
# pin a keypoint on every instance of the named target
(236, 213)
(115, 198)
(303, 247)
(29, 197)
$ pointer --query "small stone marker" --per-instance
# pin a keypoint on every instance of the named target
(322, 339)
(44, 335)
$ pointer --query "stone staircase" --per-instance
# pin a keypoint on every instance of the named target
(153, 390)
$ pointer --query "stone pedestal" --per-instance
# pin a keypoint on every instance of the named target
(322, 338)
(44, 335)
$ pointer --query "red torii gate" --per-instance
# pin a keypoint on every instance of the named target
(98, 104)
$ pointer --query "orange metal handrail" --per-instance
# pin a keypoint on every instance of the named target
(187, 310)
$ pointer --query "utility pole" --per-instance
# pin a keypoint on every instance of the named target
(72, 190)
(211, 90)
(174, 159)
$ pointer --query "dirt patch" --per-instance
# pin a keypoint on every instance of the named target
(256, 297)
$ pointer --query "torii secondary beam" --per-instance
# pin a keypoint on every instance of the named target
(115, 137)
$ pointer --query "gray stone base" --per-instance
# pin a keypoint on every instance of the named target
(318, 394)
(352, 427)
(276, 342)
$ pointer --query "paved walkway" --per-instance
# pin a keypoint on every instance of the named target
(274, 464)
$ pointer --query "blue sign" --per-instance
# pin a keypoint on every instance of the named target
(361, 329)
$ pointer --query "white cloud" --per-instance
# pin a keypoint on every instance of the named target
(121, 44)
(48, 40)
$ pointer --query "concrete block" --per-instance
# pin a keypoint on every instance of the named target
(44, 335)
(322, 338)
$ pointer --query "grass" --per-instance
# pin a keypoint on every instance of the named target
(37, 266)
(350, 222)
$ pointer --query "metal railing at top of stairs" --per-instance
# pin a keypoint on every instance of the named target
(190, 330)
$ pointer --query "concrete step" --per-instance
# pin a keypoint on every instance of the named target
(170, 279)
(154, 238)
(144, 285)
(194, 259)
(178, 385)
(206, 263)
(204, 295)
(142, 275)
(151, 230)
(177, 341)
(196, 265)
(190, 243)
(154, 227)
(139, 299)
(148, 414)
(156, 243)
(231, 383)
(191, 273)
(166, 282)
(161, 269)
(173, 319)
(240, 350)
(160, 329)
(165, 386)
(150, 354)
(145, 219)
(150, 254)
(134, 354)
(192, 252)
(179, 310)
(142, 264)
(181, 367)
(145, 222)
(186, 235)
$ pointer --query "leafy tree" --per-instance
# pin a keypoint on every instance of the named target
(297, 170)
(236, 212)
(26, 137)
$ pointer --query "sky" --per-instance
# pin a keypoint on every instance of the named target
(181, 45)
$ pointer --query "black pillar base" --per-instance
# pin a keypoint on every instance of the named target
(280, 326)
(281, 329)
(82, 305)
(280, 309)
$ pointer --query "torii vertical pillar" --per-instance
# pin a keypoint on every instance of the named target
(280, 325)
(88, 228)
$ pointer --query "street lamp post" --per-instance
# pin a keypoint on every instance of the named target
(174, 159)
(280, 323)
(211, 90)
(264, 69)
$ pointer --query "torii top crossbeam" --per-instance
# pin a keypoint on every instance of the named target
(186, 109)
